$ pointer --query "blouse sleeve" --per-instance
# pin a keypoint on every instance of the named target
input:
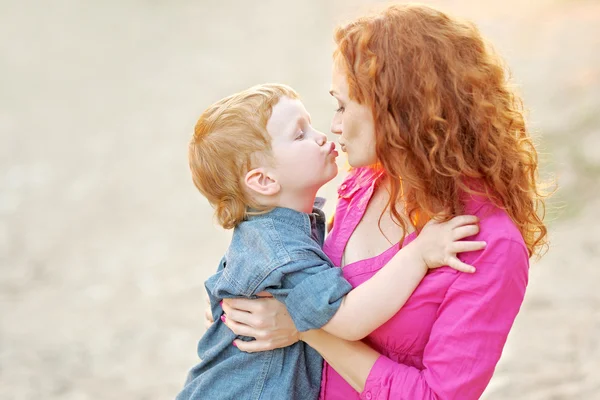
(467, 338)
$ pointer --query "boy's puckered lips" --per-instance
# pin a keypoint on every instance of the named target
(332, 149)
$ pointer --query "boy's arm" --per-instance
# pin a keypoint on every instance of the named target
(379, 298)
(317, 296)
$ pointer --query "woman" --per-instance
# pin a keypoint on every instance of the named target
(431, 128)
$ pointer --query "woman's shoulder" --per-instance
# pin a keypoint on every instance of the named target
(497, 226)
(505, 257)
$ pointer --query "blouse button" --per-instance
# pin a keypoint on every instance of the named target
(369, 396)
(343, 186)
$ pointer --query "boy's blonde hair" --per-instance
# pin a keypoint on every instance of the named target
(229, 138)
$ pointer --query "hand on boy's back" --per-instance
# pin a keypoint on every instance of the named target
(440, 242)
(208, 318)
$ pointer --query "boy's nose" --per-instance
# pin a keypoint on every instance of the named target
(321, 138)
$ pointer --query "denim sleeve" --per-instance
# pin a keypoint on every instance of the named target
(311, 289)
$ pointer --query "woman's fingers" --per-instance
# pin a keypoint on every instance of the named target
(264, 294)
(237, 328)
(248, 305)
(464, 246)
(236, 315)
(465, 231)
(252, 346)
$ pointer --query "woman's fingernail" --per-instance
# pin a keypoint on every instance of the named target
(223, 317)
(233, 343)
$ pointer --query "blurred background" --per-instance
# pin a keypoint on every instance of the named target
(105, 243)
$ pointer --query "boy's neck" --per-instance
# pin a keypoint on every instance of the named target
(302, 202)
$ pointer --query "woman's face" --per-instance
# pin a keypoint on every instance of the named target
(353, 122)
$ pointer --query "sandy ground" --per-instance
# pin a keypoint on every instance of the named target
(104, 243)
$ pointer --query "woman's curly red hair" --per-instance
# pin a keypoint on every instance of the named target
(446, 120)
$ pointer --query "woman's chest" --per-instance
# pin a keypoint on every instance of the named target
(374, 232)
(404, 336)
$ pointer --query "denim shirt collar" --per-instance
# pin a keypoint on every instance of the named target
(296, 218)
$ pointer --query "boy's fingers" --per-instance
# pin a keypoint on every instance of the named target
(464, 220)
(464, 246)
(465, 231)
(460, 266)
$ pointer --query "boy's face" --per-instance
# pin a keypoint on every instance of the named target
(304, 159)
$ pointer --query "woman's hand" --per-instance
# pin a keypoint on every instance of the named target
(264, 319)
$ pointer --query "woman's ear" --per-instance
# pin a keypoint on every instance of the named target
(262, 182)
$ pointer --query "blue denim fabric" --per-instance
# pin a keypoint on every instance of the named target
(278, 252)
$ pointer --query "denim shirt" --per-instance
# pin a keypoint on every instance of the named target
(278, 252)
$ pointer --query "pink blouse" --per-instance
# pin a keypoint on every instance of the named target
(445, 342)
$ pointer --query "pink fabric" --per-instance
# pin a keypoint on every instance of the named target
(445, 342)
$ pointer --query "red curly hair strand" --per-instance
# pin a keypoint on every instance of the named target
(447, 121)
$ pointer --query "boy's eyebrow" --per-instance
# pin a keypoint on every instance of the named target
(296, 124)
(300, 118)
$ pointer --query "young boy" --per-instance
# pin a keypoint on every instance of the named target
(256, 158)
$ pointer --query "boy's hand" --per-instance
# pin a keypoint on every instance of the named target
(440, 242)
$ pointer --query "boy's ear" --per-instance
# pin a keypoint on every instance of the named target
(262, 182)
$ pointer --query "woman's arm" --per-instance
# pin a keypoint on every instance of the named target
(464, 345)
(340, 353)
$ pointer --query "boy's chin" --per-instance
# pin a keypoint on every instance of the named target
(329, 177)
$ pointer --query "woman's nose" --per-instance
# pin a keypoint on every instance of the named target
(336, 125)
